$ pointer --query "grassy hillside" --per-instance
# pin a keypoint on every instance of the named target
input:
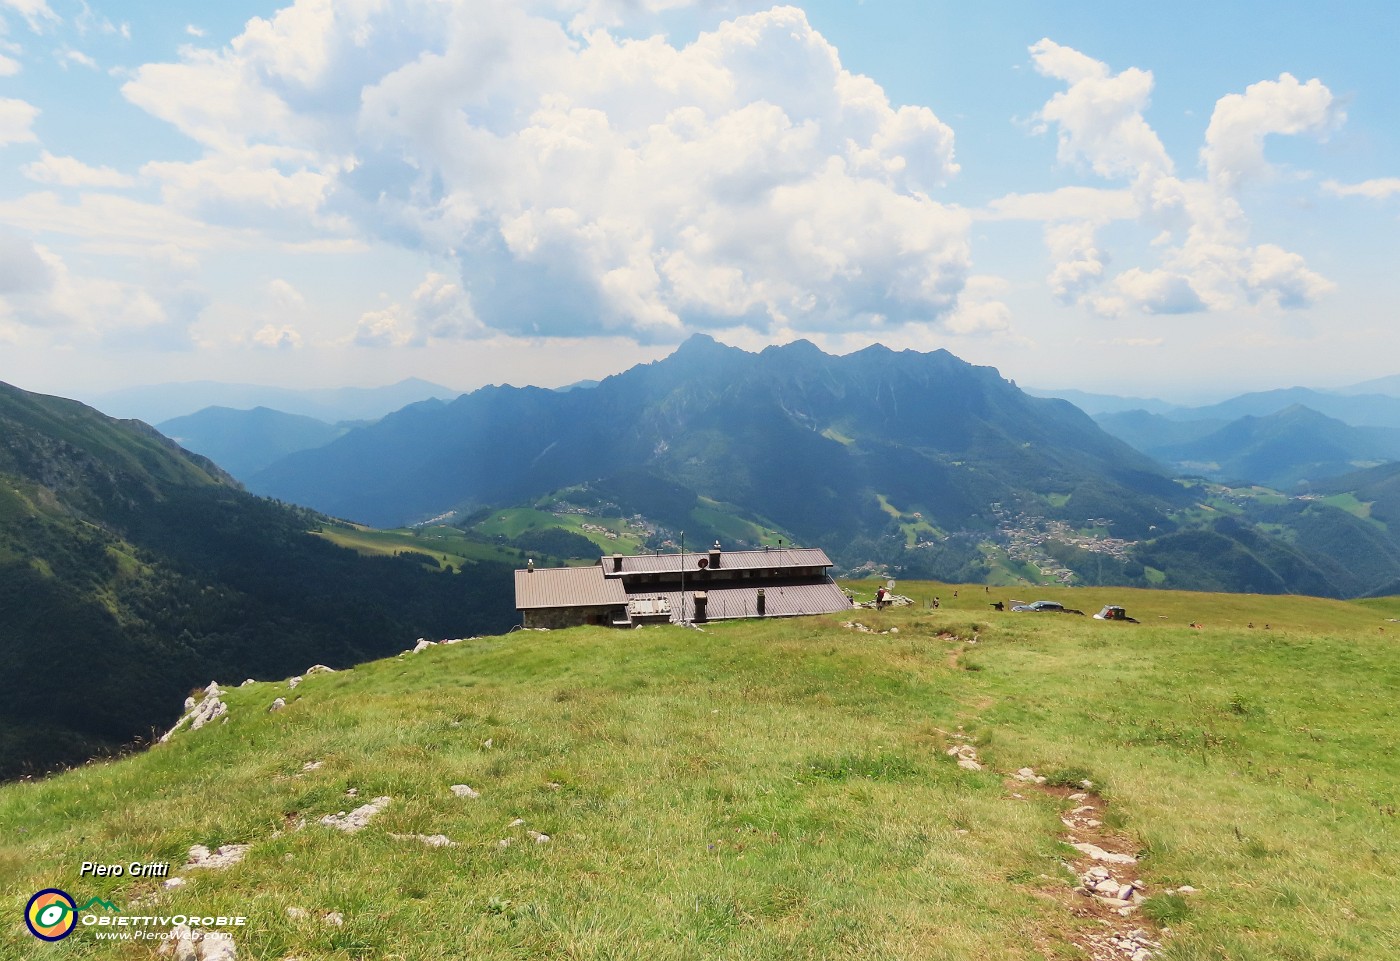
(131, 570)
(779, 789)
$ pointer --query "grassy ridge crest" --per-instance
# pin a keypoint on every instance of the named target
(776, 789)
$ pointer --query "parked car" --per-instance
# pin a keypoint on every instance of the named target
(1112, 612)
(1046, 607)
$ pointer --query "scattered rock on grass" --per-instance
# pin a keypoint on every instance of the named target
(431, 840)
(277, 705)
(462, 790)
(225, 856)
(358, 818)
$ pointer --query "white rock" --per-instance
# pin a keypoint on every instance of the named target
(422, 645)
(297, 914)
(217, 946)
(1099, 854)
(277, 705)
(311, 765)
(462, 790)
(357, 818)
(488, 743)
(968, 764)
(172, 883)
(225, 856)
(213, 690)
(538, 838)
(247, 682)
(516, 823)
(189, 704)
(431, 840)
(318, 669)
(182, 939)
(503, 843)
(454, 640)
(1186, 889)
(334, 918)
(292, 682)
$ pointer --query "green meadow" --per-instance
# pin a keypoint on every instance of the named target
(776, 789)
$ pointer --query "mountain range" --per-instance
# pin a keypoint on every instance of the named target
(827, 448)
(162, 402)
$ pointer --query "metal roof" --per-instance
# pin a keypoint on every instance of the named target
(567, 587)
(775, 559)
(780, 600)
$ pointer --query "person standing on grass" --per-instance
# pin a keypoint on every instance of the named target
(879, 598)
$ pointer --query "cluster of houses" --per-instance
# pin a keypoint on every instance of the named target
(714, 585)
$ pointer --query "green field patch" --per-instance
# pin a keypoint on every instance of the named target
(441, 544)
(608, 534)
(1351, 505)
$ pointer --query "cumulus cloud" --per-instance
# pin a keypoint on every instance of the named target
(8, 66)
(16, 119)
(1099, 118)
(71, 172)
(979, 309)
(1206, 261)
(1234, 149)
(273, 337)
(438, 309)
(1380, 188)
(585, 182)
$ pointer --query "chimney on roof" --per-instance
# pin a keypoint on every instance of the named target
(530, 566)
(714, 556)
(617, 563)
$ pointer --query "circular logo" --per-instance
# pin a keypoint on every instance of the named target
(51, 915)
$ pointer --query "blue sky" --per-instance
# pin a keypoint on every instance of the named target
(1184, 200)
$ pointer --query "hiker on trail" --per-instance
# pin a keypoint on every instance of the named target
(879, 598)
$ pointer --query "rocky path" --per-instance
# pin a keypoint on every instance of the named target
(1108, 890)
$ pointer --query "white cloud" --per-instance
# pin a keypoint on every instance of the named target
(585, 183)
(438, 310)
(36, 13)
(1234, 149)
(285, 296)
(71, 172)
(1158, 291)
(1079, 262)
(16, 119)
(979, 311)
(1098, 204)
(68, 55)
(272, 337)
(1380, 188)
(1200, 226)
(22, 270)
(194, 31)
(8, 66)
(1099, 118)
